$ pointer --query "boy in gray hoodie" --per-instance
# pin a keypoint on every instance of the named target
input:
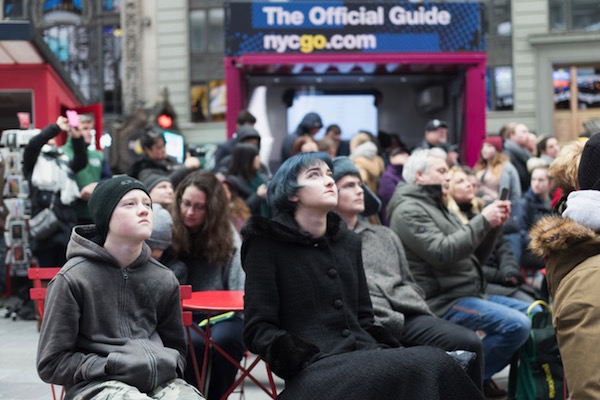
(113, 326)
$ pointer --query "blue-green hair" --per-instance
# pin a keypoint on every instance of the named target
(285, 182)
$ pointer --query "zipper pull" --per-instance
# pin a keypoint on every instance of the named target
(125, 273)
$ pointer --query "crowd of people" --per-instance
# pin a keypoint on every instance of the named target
(369, 268)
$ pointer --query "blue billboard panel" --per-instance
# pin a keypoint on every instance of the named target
(309, 27)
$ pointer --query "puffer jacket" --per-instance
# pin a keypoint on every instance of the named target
(445, 256)
(103, 322)
(572, 253)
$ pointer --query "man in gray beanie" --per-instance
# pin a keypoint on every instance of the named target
(160, 243)
(161, 189)
(398, 302)
(113, 325)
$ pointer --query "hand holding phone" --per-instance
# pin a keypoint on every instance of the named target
(73, 118)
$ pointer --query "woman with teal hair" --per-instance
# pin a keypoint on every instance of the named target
(307, 309)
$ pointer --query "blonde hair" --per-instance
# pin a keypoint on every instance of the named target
(359, 139)
(565, 166)
(476, 202)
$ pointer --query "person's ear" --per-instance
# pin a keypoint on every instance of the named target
(419, 177)
(293, 199)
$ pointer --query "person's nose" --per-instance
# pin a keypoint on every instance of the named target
(329, 181)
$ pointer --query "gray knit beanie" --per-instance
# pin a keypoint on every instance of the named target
(106, 196)
(343, 166)
(162, 233)
(154, 179)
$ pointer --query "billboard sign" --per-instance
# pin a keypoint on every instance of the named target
(310, 27)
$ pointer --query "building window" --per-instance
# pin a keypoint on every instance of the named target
(208, 101)
(586, 90)
(498, 30)
(574, 15)
(198, 30)
(207, 48)
(500, 88)
(207, 30)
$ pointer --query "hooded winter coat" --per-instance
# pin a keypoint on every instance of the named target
(308, 314)
(310, 121)
(103, 322)
(445, 256)
(572, 253)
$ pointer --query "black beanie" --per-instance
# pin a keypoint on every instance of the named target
(105, 197)
(588, 174)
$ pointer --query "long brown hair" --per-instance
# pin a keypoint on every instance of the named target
(214, 240)
(495, 164)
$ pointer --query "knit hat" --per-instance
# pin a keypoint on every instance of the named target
(588, 174)
(154, 179)
(495, 141)
(162, 233)
(105, 197)
(343, 166)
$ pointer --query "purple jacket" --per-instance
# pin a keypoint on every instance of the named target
(387, 185)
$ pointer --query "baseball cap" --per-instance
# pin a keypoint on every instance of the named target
(434, 124)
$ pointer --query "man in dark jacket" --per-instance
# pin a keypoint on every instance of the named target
(515, 147)
(436, 135)
(446, 256)
(310, 125)
(243, 134)
(244, 119)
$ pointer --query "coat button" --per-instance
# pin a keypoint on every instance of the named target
(316, 244)
(338, 304)
(346, 332)
(332, 273)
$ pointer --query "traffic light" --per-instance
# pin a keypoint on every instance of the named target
(165, 121)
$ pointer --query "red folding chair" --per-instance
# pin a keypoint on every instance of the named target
(186, 293)
(217, 301)
(39, 278)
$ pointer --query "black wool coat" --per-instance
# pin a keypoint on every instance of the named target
(308, 313)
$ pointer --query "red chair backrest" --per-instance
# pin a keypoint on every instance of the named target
(38, 293)
(186, 293)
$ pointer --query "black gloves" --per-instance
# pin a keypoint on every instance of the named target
(289, 354)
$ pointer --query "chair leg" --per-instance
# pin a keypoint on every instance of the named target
(194, 360)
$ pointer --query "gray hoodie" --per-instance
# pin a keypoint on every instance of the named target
(102, 322)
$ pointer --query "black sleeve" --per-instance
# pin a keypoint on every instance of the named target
(80, 156)
(33, 148)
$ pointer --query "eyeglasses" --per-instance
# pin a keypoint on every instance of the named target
(186, 205)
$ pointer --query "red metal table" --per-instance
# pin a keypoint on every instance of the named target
(214, 302)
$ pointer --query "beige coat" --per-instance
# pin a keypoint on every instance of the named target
(572, 252)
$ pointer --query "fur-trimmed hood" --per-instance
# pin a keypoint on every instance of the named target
(554, 234)
(565, 244)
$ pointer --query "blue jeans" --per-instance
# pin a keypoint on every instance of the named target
(504, 321)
